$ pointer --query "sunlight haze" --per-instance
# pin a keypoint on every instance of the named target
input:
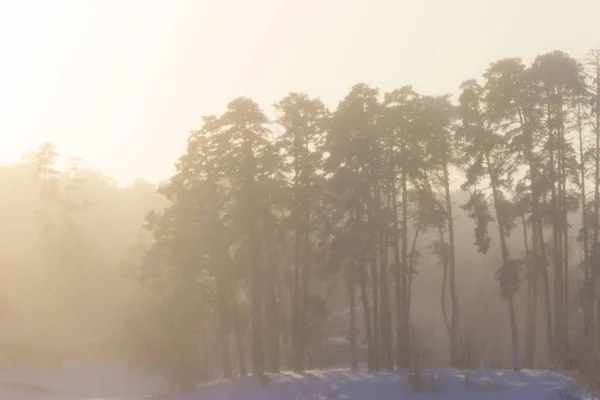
(268, 199)
(121, 83)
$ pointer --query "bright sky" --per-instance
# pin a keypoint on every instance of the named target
(120, 83)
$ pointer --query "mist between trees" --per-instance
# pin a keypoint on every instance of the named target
(330, 237)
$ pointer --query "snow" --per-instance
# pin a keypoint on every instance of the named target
(437, 384)
(114, 383)
(342, 341)
(77, 381)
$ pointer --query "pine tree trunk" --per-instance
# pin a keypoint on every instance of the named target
(295, 308)
(554, 167)
(258, 358)
(375, 291)
(239, 337)
(397, 281)
(219, 257)
(565, 254)
(306, 258)
(539, 261)
(565, 232)
(303, 321)
(534, 303)
(405, 272)
(547, 295)
(514, 334)
(386, 333)
(385, 314)
(409, 292)
(505, 263)
(366, 313)
(595, 248)
(584, 224)
(538, 258)
(558, 274)
(531, 296)
(444, 289)
(296, 352)
(373, 210)
(252, 224)
(352, 295)
(223, 330)
(272, 323)
(452, 270)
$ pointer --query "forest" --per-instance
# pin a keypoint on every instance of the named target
(409, 227)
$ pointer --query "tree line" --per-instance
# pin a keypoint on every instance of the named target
(64, 233)
(262, 211)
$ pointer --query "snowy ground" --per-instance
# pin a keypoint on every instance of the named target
(77, 381)
(438, 384)
(322, 385)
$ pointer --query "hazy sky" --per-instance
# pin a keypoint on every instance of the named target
(120, 83)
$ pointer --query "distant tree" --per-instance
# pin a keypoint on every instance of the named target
(593, 74)
(400, 118)
(489, 159)
(514, 101)
(249, 159)
(64, 247)
(305, 122)
(353, 148)
(558, 76)
(436, 122)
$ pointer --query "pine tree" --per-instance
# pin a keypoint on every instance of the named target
(489, 159)
(305, 122)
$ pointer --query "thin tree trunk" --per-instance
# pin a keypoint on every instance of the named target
(352, 295)
(529, 344)
(584, 224)
(305, 276)
(295, 307)
(295, 302)
(239, 337)
(385, 314)
(375, 291)
(305, 293)
(283, 329)
(514, 334)
(223, 330)
(411, 273)
(258, 357)
(565, 254)
(539, 262)
(452, 270)
(443, 294)
(405, 272)
(565, 232)
(219, 257)
(272, 323)
(373, 210)
(505, 262)
(296, 353)
(307, 252)
(558, 274)
(547, 295)
(534, 297)
(366, 313)
(397, 281)
(255, 259)
(538, 259)
(595, 247)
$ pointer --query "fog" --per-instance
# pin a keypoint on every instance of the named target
(198, 190)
